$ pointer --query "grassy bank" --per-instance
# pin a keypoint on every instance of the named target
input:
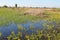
(8, 15)
(16, 15)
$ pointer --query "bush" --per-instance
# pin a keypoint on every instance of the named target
(5, 6)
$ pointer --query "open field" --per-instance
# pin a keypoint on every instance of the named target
(18, 15)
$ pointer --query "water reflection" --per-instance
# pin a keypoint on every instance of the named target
(6, 30)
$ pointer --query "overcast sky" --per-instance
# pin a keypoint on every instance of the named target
(33, 3)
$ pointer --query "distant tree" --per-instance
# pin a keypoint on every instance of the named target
(16, 5)
(44, 7)
(5, 6)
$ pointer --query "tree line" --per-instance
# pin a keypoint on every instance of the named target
(5, 6)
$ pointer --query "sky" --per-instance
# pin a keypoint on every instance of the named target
(31, 3)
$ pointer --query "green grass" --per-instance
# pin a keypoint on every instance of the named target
(16, 15)
(8, 15)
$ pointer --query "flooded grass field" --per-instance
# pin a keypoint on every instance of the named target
(29, 24)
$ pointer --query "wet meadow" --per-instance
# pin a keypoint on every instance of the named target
(16, 24)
